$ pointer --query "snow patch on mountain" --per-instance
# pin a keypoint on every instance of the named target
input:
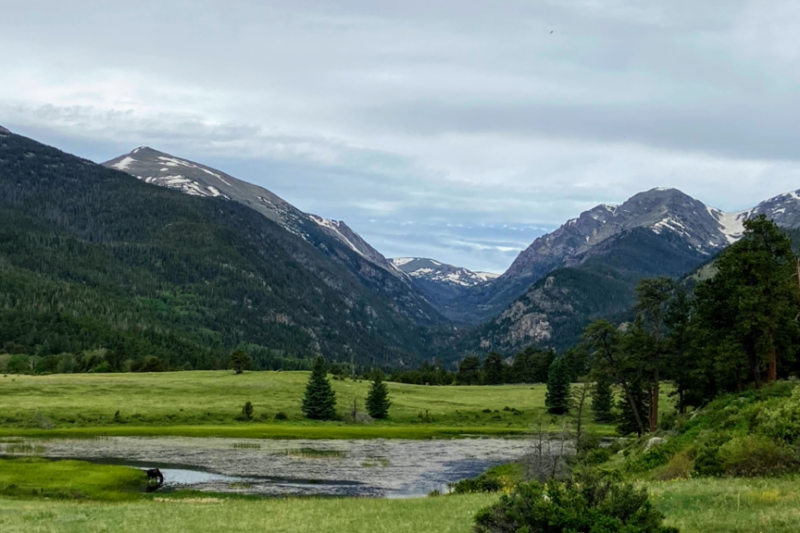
(430, 270)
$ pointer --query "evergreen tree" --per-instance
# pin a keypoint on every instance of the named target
(469, 371)
(494, 369)
(378, 398)
(239, 361)
(558, 394)
(603, 402)
(627, 419)
(319, 402)
(652, 298)
(752, 300)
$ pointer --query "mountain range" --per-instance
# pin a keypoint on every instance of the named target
(187, 262)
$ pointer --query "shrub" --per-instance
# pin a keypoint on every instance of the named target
(588, 504)
(668, 421)
(247, 411)
(679, 467)
(783, 422)
(482, 483)
(597, 456)
(281, 416)
(755, 455)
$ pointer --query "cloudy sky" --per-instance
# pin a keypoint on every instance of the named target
(458, 130)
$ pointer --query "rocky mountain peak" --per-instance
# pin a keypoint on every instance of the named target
(160, 168)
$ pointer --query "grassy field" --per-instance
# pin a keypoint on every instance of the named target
(205, 403)
(694, 506)
(32, 477)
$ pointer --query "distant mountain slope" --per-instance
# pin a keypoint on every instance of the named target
(440, 282)
(343, 245)
(555, 309)
(589, 267)
(661, 211)
(90, 257)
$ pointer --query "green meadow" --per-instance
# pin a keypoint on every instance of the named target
(206, 403)
(695, 506)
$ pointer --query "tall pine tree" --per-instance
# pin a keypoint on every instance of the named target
(603, 402)
(378, 398)
(319, 402)
(494, 371)
(627, 419)
(558, 394)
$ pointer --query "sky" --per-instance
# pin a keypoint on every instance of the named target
(457, 130)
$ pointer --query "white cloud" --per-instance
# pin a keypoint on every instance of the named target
(427, 126)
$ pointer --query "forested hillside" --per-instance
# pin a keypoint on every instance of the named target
(91, 257)
(556, 309)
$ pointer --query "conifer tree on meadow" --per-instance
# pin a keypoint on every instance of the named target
(319, 402)
(378, 398)
(557, 398)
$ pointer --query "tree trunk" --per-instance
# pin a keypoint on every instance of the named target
(635, 410)
(756, 372)
(682, 403)
(772, 366)
(654, 403)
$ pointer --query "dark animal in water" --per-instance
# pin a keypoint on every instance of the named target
(154, 479)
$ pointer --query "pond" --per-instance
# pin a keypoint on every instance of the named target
(372, 468)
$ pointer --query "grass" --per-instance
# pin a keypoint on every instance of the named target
(33, 477)
(729, 505)
(694, 506)
(205, 404)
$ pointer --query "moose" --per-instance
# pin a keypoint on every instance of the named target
(155, 479)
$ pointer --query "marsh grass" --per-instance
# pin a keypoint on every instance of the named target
(24, 448)
(247, 445)
(376, 462)
(312, 453)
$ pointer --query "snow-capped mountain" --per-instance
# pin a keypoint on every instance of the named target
(333, 238)
(441, 283)
(589, 267)
(422, 268)
(703, 229)
(158, 168)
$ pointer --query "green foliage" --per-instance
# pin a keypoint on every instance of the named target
(746, 312)
(319, 402)
(603, 402)
(482, 483)
(239, 361)
(782, 421)
(627, 420)
(531, 365)
(756, 455)
(589, 504)
(247, 411)
(469, 371)
(92, 257)
(494, 370)
(557, 399)
(378, 398)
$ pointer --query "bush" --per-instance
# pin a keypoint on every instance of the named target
(281, 416)
(679, 467)
(755, 456)
(247, 412)
(597, 456)
(482, 483)
(588, 504)
(783, 422)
